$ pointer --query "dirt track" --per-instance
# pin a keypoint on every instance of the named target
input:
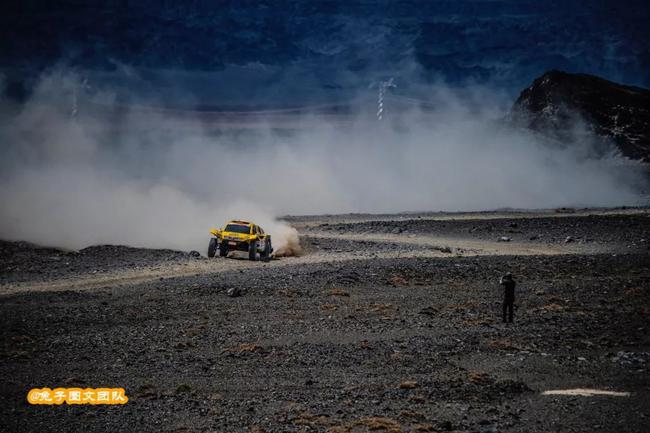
(385, 323)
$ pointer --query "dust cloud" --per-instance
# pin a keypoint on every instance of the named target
(78, 171)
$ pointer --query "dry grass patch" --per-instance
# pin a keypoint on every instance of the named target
(582, 312)
(335, 291)
(375, 423)
(418, 398)
(412, 415)
(184, 345)
(370, 423)
(249, 347)
(477, 322)
(309, 419)
(503, 344)
(286, 292)
(408, 384)
(464, 306)
(479, 378)
(384, 308)
(398, 280)
(634, 291)
(552, 307)
(295, 316)
(424, 427)
(193, 331)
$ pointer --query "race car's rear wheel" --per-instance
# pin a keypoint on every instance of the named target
(223, 249)
(266, 254)
(252, 250)
(212, 247)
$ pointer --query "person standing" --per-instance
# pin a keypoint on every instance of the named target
(508, 284)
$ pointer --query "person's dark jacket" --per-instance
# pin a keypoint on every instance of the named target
(509, 289)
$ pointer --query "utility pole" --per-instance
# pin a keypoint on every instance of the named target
(382, 86)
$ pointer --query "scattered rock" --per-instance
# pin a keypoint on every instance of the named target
(183, 388)
(429, 311)
(632, 359)
(234, 292)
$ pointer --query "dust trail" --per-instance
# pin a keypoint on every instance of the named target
(111, 174)
(290, 242)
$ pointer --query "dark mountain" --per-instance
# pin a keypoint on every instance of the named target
(561, 105)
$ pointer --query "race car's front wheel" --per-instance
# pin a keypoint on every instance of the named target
(212, 247)
(252, 250)
(266, 254)
(223, 249)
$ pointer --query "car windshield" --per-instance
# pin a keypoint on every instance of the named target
(237, 228)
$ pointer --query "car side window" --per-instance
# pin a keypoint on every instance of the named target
(261, 231)
(255, 230)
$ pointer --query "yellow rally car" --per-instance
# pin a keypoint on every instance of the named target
(241, 236)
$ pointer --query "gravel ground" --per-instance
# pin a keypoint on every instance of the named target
(359, 334)
(22, 261)
(624, 229)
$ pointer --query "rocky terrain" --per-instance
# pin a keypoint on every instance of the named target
(28, 262)
(569, 106)
(386, 323)
(622, 229)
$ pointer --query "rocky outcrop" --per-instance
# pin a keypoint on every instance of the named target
(563, 105)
